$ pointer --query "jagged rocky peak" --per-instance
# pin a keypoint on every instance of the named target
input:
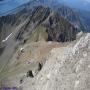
(57, 27)
(40, 13)
(71, 15)
(37, 16)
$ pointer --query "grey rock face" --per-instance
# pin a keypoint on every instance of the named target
(59, 29)
(66, 68)
(72, 16)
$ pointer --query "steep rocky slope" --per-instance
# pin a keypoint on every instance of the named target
(10, 22)
(59, 29)
(72, 16)
(66, 67)
(86, 19)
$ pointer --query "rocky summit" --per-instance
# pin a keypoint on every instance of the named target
(44, 46)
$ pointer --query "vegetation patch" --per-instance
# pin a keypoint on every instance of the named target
(39, 34)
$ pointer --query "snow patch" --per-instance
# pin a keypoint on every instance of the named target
(77, 83)
(6, 38)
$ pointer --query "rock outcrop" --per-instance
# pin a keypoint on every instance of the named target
(66, 68)
(72, 16)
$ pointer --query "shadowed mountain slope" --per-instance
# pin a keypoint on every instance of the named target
(57, 27)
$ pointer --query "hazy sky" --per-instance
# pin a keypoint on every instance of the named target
(11, 4)
(80, 4)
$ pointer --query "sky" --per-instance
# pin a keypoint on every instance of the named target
(7, 5)
(80, 4)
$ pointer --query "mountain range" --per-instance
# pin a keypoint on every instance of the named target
(52, 4)
(59, 13)
(45, 45)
